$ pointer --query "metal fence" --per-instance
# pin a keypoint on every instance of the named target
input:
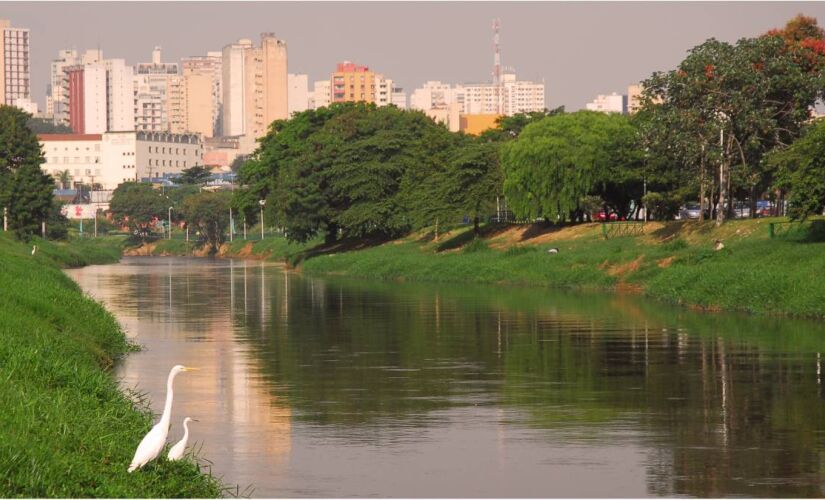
(619, 229)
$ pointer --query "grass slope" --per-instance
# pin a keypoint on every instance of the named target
(674, 262)
(66, 430)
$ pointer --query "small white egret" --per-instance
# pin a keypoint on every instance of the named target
(34, 249)
(152, 444)
(176, 452)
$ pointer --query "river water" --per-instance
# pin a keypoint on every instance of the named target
(332, 387)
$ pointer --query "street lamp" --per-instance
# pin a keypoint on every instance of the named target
(170, 223)
(262, 203)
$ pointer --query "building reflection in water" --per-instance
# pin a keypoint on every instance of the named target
(244, 426)
(338, 387)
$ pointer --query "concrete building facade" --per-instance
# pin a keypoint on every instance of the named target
(255, 86)
(112, 158)
(298, 93)
(98, 97)
(151, 83)
(15, 71)
(203, 102)
(321, 94)
(513, 97)
(613, 103)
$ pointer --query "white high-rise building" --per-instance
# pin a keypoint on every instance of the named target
(57, 94)
(297, 93)
(399, 98)
(234, 96)
(321, 94)
(433, 95)
(613, 103)
(15, 73)
(120, 109)
(95, 94)
(517, 96)
(151, 81)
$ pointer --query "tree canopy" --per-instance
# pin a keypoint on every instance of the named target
(24, 189)
(139, 205)
(558, 160)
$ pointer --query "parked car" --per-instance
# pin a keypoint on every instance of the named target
(690, 211)
(601, 217)
(741, 210)
(764, 208)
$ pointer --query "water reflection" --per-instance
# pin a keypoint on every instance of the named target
(333, 387)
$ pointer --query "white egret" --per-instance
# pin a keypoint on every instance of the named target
(152, 444)
(34, 249)
(176, 452)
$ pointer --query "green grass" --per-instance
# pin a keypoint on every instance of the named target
(78, 253)
(66, 430)
(677, 264)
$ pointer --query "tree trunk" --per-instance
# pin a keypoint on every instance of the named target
(723, 194)
(475, 224)
(702, 186)
(332, 234)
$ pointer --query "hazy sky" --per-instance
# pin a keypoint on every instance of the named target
(579, 49)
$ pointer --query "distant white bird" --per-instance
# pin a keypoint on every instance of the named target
(553, 250)
(176, 452)
(34, 249)
(152, 444)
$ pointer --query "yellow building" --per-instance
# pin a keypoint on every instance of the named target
(352, 83)
(476, 124)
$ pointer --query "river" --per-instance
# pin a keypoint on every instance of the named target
(334, 387)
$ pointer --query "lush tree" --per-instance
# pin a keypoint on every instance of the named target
(472, 180)
(732, 104)
(509, 127)
(208, 213)
(24, 189)
(557, 161)
(139, 205)
(351, 169)
(197, 175)
(801, 171)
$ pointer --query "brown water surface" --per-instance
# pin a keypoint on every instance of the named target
(339, 388)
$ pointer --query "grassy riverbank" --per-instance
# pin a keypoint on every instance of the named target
(66, 430)
(675, 262)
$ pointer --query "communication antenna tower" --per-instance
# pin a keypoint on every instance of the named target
(497, 65)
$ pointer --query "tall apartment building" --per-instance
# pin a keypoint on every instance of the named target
(151, 81)
(201, 84)
(15, 73)
(355, 83)
(298, 93)
(634, 98)
(613, 103)
(321, 94)
(255, 86)
(57, 97)
(399, 98)
(98, 96)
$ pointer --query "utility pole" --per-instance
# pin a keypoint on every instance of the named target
(262, 203)
(231, 225)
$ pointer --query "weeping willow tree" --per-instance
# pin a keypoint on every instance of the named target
(558, 161)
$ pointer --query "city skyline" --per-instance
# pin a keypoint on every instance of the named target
(450, 42)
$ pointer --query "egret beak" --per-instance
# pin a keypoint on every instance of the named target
(189, 369)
